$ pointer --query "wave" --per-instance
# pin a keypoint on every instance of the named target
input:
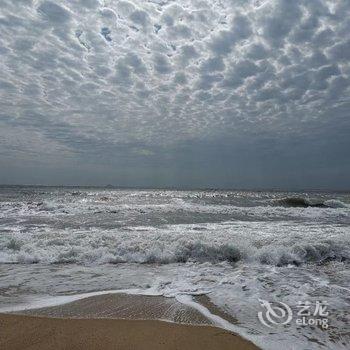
(302, 202)
(194, 252)
(319, 253)
(287, 208)
(335, 203)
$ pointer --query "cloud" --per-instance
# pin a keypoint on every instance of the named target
(279, 18)
(180, 78)
(340, 51)
(223, 42)
(162, 64)
(213, 64)
(101, 79)
(140, 18)
(53, 13)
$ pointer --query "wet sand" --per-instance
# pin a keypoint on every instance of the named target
(124, 306)
(114, 322)
(20, 332)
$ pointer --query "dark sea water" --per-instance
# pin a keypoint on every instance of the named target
(234, 246)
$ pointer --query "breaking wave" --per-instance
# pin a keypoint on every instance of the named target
(195, 252)
(301, 202)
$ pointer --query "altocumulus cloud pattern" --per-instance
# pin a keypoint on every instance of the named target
(140, 84)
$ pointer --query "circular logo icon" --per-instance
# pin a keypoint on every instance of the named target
(274, 314)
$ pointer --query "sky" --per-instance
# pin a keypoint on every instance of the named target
(187, 93)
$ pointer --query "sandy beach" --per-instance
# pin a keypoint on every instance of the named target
(28, 332)
(111, 322)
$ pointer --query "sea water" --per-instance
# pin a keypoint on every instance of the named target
(239, 248)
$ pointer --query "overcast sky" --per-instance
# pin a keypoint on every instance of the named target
(195, 93)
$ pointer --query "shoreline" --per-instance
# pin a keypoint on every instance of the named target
(116, 321)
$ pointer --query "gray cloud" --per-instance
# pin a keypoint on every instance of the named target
(161, 64)
(53, 13)
(140, 18)
(147, 85)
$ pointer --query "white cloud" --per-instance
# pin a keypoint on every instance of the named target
(101, 74)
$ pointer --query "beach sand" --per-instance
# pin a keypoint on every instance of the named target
(113, 322)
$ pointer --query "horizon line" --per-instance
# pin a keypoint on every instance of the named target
(183, 188)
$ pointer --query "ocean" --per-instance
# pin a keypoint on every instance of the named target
(239, 248)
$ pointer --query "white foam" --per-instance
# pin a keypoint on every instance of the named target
(275, 243)
(49, 301)
(217, 320)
